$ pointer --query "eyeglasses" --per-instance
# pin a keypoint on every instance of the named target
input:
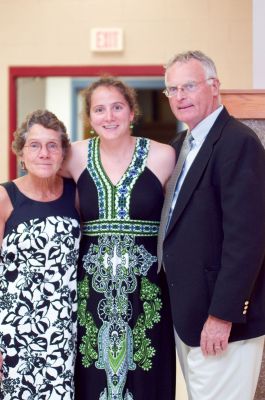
(188, 87)
(51, 147)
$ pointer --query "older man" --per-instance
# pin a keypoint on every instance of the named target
(212, 237)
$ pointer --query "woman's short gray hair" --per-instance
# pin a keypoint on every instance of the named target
(44, 118)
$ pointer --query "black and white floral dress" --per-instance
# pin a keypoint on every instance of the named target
(38, 297)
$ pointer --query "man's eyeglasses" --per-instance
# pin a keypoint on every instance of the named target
(51, 147)
(189, 87)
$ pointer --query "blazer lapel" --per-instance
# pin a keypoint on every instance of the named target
(198, 167)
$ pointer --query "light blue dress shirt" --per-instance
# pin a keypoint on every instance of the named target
(199, 134)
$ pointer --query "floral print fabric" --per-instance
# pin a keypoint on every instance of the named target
(38, 309)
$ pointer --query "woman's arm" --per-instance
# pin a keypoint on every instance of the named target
(5, 210)
(75, 161)
(161, 161)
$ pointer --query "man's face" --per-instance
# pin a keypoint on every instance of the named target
(191, 107)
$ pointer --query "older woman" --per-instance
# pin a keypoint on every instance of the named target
(126, 348)
(39, 234)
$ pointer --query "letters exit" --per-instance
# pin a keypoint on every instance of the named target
(106, 39)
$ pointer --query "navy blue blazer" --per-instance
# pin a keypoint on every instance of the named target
(214, 249)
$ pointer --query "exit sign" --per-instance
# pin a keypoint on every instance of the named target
(106, 39)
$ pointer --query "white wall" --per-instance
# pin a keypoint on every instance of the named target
(259, 44)
(58, 99)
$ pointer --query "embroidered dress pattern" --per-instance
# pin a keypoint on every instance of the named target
(112, 265)
(124, 320)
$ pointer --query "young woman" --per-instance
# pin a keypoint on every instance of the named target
(126, 345)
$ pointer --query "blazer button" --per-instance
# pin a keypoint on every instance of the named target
(244, 312)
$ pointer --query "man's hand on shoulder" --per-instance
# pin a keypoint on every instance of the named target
(215, 335)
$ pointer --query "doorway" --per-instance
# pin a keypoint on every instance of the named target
(58, 89)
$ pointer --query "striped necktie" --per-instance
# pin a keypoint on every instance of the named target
(170, 190)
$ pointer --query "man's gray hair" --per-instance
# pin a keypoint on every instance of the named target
(207, 63)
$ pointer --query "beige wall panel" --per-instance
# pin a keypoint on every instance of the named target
(188, 8)
(224, 9)
(57, 32)
(145, 10)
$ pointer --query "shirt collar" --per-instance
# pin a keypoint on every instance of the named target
(201, 130)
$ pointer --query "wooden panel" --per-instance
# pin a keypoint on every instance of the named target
(245, 104)
(249, 106)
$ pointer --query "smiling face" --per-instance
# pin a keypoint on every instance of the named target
(110, 114)
(192, 108)
(42, 152)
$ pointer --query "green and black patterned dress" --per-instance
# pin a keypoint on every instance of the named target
(126, 345)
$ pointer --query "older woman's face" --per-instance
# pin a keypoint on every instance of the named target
(42, 152)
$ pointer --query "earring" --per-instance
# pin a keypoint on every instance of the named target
(131, 125)
(92, 132)
(22, 165)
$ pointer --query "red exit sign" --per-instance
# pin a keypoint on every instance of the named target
(106, 39)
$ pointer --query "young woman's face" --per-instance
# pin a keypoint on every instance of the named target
(110, 114)
(42, 152)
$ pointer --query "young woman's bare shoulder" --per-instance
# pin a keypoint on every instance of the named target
(79, 149)
(75, 160)
(80, 144)
(163, 152)
(161, 160)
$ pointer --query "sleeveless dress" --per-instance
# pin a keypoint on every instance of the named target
(125, 334)
(38, 296)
